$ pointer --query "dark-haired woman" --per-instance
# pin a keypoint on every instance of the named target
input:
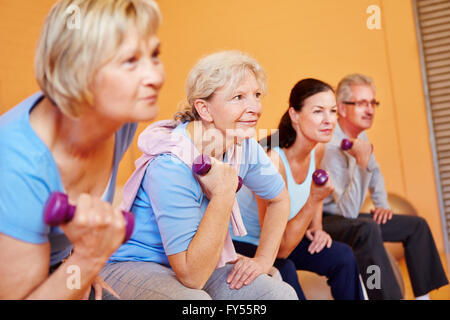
(296, 149)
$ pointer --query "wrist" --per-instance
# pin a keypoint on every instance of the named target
(315, 226)
(265, 262)
(224, 198)
(90, 266)
(313, 201)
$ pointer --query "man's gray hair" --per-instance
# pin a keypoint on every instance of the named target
(344, 92)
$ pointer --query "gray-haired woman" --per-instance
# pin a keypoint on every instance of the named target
(181, 248)
(98, 78)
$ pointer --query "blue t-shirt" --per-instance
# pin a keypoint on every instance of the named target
(28, 174)
(298, 194)
(170, 202)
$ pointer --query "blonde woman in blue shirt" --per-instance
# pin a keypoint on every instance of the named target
(181, 230)
(98, 79)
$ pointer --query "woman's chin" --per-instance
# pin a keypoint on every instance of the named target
(147, 114)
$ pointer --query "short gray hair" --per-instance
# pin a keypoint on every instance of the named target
(344, 92)
(67, 59)
(224, 68)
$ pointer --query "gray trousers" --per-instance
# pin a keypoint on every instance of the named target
(152, 281)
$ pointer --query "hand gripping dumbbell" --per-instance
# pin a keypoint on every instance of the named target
(57, 210)
(202, 165)
(320, 177)
(346, 144)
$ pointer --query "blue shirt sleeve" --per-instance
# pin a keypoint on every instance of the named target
(261, 175)
(176, 199)
(21, 204)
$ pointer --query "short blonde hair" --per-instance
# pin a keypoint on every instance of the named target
(217, 70)
(68, 56)
(344, 91)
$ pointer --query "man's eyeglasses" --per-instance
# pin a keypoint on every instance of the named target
(363, 103)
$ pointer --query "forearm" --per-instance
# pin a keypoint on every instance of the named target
(206, 246)
(349, 196)
(297, 226)
(316, 221)
(344, 173)
(377, 188)
(70, 281)
(272, 231)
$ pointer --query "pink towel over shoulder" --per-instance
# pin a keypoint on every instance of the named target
(159, 138)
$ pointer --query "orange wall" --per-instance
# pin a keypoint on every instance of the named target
(292, 39)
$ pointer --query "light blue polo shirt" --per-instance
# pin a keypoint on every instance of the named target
(170, 202)
(28, 174)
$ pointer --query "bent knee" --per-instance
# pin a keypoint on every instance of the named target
(421, 222)
(273, 289)
(368, 233)
(192, 294)
(344, 256)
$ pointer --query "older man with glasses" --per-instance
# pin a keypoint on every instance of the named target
(353, 172)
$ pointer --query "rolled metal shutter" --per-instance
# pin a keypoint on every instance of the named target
(433, 32)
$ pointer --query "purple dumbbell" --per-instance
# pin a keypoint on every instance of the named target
(346, 144)
(320, 177)
(57, 210)
(202, 165)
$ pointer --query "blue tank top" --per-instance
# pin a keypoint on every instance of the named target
(298, 193)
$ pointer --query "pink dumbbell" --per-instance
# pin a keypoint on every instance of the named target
(202, 165)
(320, 177)
(58, 210)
